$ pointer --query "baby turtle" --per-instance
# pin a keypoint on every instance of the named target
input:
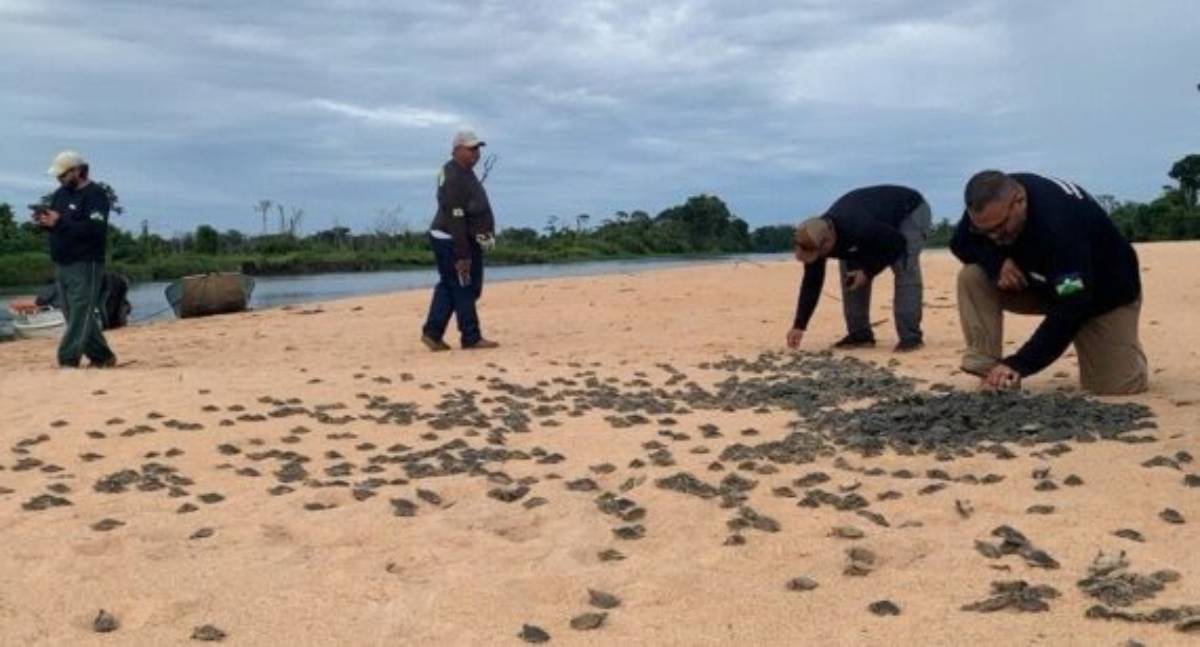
(1171, 515)
(587, 621)
(610, 555)
(602, 600)
(429, 496)
(404, 508)
(104, 525)
(208, 633)
(105, 622)
(635, 531)
(884, 608)
(203, 533)
(1130, 534)
(801, 584)
(847, 532)
(1040, 509)
(533, 634)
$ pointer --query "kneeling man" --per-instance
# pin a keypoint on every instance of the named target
(1038, 245)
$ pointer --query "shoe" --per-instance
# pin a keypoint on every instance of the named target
(909, 346)
(482, 344)
(111, 362)
(435, 345)
(855, 341)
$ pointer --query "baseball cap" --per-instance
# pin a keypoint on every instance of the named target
(467, 138)
(64, 162)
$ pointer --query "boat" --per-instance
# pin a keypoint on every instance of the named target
(201, 295)
(38, 324)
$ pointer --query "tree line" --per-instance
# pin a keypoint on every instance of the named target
(703, 224)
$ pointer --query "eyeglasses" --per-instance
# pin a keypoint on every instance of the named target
(993, 230)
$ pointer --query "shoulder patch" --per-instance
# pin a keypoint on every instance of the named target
(1069, 284)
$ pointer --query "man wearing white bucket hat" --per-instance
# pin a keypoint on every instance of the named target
(76, 217)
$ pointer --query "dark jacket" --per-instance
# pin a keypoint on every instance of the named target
(82, 230)
(1070, 252)
(463, 208)
(867, 222)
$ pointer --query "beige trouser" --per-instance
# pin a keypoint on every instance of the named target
(1111, 361)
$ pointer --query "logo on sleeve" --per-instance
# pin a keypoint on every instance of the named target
(1069, 284)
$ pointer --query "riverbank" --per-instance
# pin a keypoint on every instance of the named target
(313, 475)
(35, 268)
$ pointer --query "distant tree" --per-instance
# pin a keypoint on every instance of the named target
(708, 225)
(294, 221)
(388, 223)
(518, 236)
(1186, 171)
(262, 207)
(773, 238)
(551, 225)
(1108, 201)
(207, 240)
(581, 222)
(8, 224)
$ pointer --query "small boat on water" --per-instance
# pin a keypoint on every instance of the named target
(201, 295)
(37, 324)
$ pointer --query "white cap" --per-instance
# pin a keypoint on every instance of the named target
(467, 138)
(64, 162)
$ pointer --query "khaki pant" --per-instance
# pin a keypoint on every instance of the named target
(1111, 360)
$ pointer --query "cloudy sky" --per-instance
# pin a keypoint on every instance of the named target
(196, 109)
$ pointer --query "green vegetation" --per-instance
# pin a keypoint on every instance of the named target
(702, 225)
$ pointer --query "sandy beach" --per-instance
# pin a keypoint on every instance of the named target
(246, 459)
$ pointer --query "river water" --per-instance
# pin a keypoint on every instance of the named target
(149, 303)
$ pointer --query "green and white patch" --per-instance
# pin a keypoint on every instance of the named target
(1068, 285)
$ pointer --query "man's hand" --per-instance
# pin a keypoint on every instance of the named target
(856, 280)
(1001, 377)
(462, 267)
(1012, 279)
(794, 336)
(47, 219)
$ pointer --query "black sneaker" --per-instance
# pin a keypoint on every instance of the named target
(855, 341)
(909, 346)
(111, 362)
(435, 345)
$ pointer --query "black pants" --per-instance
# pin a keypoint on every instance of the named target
(79, 293)
(451, 297)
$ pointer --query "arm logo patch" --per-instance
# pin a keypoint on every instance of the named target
(1069, 284)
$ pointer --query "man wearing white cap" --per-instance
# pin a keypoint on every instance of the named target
(76, 218)
(463, 226)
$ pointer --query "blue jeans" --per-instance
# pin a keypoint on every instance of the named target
(450, 297)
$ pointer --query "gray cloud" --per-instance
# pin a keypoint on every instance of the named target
(195, 110)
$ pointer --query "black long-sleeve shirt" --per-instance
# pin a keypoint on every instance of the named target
(463, 208)
(1071, 252)
(82, 229)
(868, 238)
